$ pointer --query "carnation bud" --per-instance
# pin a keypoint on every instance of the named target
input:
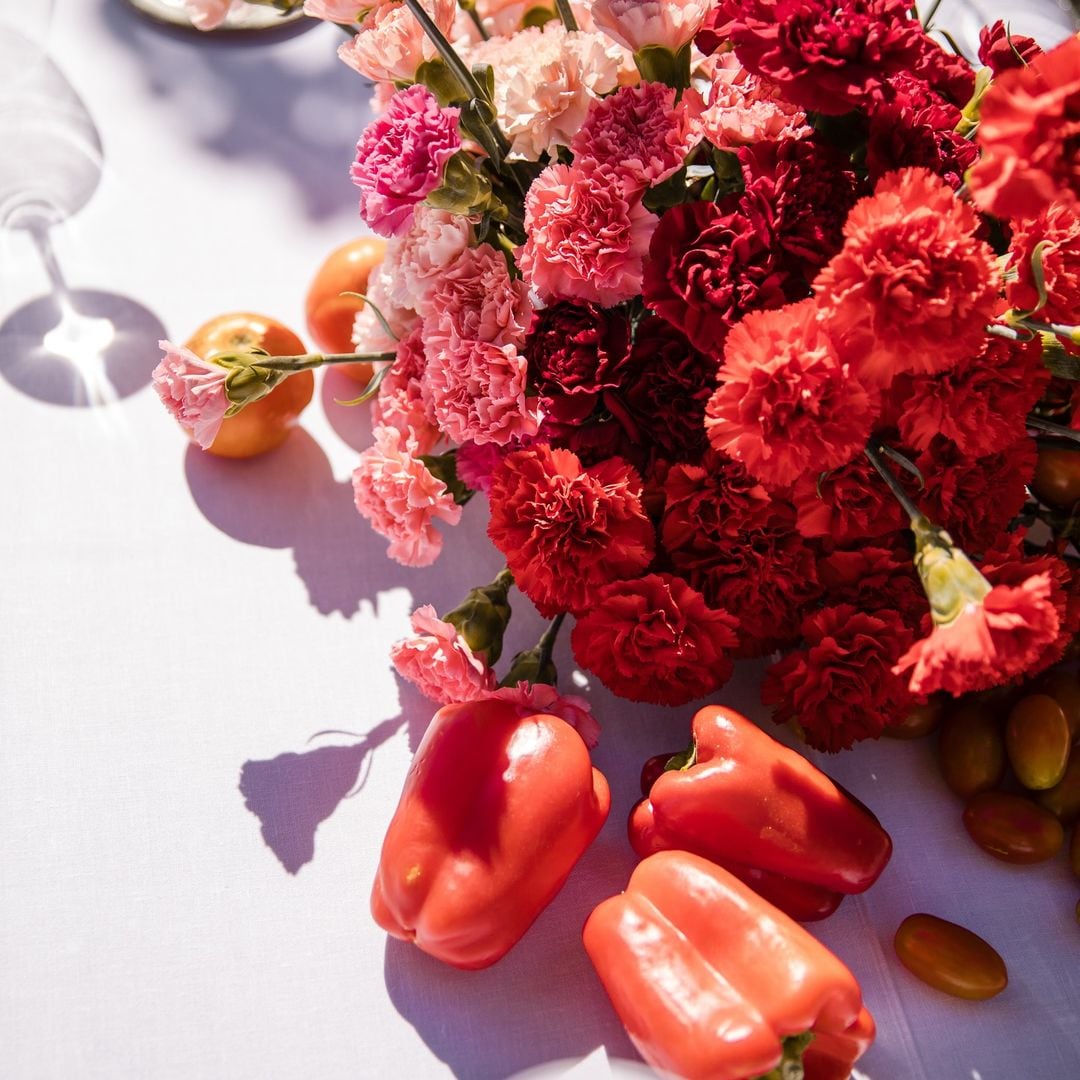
(482, 617)
(948, 577)
(464, 189)
(529, 666)
(247, 380)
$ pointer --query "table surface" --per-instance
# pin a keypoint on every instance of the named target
(187, 855)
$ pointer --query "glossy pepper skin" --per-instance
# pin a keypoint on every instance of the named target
(497, 807)
(708, 978)
(746, 802)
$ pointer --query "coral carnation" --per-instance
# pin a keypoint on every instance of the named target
(787, 403)
(533, 698)
(400, 158)
(841, 688)
(565, 531)
(587, 238)
(912, 288)
(401, 498)
(655, 639)
(437, 660)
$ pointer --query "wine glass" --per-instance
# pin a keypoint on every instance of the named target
(244, 17)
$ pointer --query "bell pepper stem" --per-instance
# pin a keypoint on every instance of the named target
(790, 1066)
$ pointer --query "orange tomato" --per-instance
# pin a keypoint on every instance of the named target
(950, 958)
(265, 424)
(1057, 477)
(330, 315)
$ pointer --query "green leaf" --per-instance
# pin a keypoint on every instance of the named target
(659, 64)
(538, 16)
(442, 82)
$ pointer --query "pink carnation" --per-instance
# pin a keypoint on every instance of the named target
(587, 238)
(738, 109)
(416, 259)
(637, 23)
(437, 660)
(336, 11)
(209, 14)
(390, 44)
(401, 498)
(639, 131)
(399, 402)
(541, 698)
(193, 391)
(369, 335)
(400, 158)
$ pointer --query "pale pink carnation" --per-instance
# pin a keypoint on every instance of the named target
(400, 401)
(369, 335)
(476, 391)
(400, 158)
(545, 80)
(336, 11)
(209, 14)
(587, 238)
(540, 698)
(437, 660)
(415, 260)
(193, 391)
(639, 131)
(738, 109)
(390, 44)
(637, 23)
(475, 299)
(401, 498)
(502, 16)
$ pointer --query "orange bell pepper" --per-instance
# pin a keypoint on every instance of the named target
(498, 806)
(712, 982)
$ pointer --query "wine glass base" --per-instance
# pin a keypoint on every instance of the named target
(250, 17)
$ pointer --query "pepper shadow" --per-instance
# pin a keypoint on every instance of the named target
(289, 498)
(546, 976)
(293, 793)
(254, 96)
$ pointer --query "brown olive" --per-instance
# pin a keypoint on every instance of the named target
(920, 721)
(950, 958)
(971, 751)
(1057, 477)
(1012, 828)
(1063, 799)
(1037, 741)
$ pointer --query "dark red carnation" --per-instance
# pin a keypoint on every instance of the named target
(831, 56)
(847, 505)
(1001, 50)
(974, 498)
(839, 688)
(665, 386)
(878, 576)
(708, 266)
(567, 531)
(655, 639)
(915, 126)
(739, 548)
(810, 187)
(980, 405)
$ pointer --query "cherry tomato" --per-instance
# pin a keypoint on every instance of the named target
(971, 751)
(1063, 799)
(921, 720)
(1063, 686)
(652, 770)
(1012, 828)
(264, 424)
(950, 958)
(1037, 741)
(330, 315)
(1057, 477)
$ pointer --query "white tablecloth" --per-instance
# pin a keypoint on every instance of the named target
(174, 628)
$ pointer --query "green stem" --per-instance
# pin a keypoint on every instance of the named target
(1039, 424)
(547, 643)
(874, 454)
(929, 19)
(313, 360)
(478, 23)
(566, 14)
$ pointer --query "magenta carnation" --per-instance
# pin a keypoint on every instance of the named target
(400, 158)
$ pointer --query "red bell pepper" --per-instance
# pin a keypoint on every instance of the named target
(713, 982)
(750, 804)
(497, 807)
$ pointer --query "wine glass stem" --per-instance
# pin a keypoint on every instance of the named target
(39, 230)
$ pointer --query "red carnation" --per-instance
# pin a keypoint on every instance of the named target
(832, 55)
(847, 505)
(876, 577)
(655, 639)
(707, 267)
(739, 548)
(980, 405)
(1029, 131)
(1001, 50)
(566, 531)
(975, 498)
(1057, 228)
(840, 687)
(787, 402)
(912, 289)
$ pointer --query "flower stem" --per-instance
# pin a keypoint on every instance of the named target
(874, 454)
(546, 643)
(314, 360)
(566, 14)
(478, 23)
(1039, 424)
